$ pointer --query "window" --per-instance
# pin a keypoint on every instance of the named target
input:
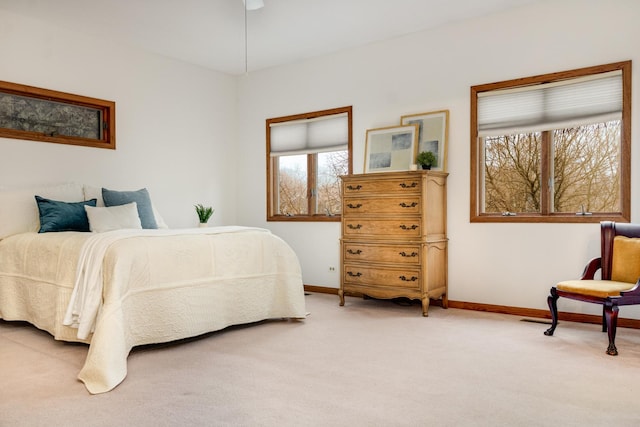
(37, 114)
(553, 148)
(306, 154)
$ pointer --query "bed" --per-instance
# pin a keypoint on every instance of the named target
(121, 288)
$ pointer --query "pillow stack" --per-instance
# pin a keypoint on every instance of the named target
(140, 198)
(64, 207)
(122, 210)
(92, 192)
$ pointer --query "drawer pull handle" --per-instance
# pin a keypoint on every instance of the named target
(412, 227)
(412, 205)
(411, 255)
(352, 206)
(352, 252)
(354, 187)
(358, 274)
(412, 279)
(412, 185)
(354, 227)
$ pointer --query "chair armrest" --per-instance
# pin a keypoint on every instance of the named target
(591, 268)
(635, 291)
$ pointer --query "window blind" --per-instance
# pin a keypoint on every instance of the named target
(307, 136)
(547, 106)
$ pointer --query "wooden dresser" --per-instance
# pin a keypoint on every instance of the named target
(394, 236)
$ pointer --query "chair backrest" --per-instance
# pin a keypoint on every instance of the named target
(608, 231)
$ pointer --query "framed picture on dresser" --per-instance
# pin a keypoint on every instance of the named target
(390, 148)
(433, 133)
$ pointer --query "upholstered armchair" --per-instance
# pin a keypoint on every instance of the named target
(619, 282)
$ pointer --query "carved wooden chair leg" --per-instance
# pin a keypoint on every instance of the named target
(552, 300)
(611, 314)
(604, 318)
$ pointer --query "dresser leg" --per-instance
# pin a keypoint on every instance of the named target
(425, 306)
(341, 295)
(445, 301)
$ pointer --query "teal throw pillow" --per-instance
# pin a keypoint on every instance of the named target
(142, 199)
(63, 216)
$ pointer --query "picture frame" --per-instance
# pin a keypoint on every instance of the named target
(391, 148)
(433, 134)
(37, 114)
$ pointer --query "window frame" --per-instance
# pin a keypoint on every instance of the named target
(107, 121)
(272, 168)
(545, 216)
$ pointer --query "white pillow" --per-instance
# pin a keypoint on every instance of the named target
(91, 192)
(19, 210)
(113, 217)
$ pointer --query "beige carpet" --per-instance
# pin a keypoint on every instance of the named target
(370, 363)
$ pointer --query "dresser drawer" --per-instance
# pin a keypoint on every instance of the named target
(383, 277)
(383, 228)
(406, 185)
(409, 204)
(391, 254)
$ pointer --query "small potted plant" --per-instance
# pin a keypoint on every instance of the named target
(426, 159)
(204, 213)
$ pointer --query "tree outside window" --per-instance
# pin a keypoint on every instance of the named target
(552, 148)
(306, 154)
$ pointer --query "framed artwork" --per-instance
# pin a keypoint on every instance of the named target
(37, 114)
(391, 148)
(433, 133)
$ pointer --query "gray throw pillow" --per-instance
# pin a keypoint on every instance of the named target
(142, 199)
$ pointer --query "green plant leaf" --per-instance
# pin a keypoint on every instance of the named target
(204, 212)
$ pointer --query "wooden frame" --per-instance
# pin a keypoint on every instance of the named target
(433, 134)
(272, 168)
(476, 155)
(390, 148)
(37, 114)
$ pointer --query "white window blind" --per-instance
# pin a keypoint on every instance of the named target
(322, 134)
(548, 106)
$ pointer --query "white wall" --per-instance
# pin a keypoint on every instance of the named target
(504, 264)
(191, 135)
(175, 123)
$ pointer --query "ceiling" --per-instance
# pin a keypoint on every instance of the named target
(211, 33)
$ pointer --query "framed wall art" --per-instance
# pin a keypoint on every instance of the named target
(391, 148)
(38, 114)
(433, 133)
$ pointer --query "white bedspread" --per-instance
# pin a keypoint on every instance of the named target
(87, 291)
(155, 286)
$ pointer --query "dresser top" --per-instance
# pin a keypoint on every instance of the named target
(396, 174)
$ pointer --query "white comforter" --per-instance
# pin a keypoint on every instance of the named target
(152, 286)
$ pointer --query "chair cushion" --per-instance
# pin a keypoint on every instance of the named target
(596, 288)
(625, 266)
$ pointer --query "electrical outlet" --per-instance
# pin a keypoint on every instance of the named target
(332, 268)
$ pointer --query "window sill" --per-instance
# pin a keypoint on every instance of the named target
(305, 218)
(556, 218)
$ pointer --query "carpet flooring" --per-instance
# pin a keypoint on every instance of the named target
(369, 363)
